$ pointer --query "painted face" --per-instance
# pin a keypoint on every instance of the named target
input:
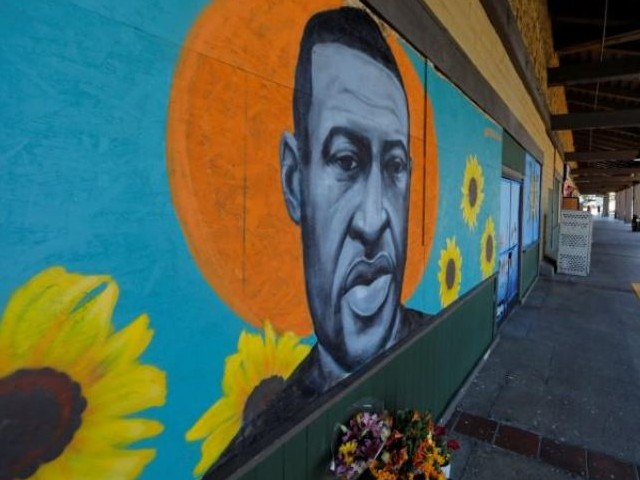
(355, 197)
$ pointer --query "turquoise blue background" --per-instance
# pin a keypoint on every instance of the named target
(461, 130)
(85, 87)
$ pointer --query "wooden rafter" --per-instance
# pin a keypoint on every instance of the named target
(600, 156)
(630, 36)
(594, 72)
(578, 121)
(614, 94)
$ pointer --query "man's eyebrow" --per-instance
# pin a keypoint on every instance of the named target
(390, 145)
(361, 142)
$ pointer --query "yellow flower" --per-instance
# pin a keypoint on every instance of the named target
(488, 249)
(72, 384)
(472, 191)
(252, 376)
(347, 450)
(450, 272)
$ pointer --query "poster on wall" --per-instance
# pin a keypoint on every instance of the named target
(200, 240)
(531, 202)
(509, 247)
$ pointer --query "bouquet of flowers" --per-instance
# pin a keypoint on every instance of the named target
(416, 449)
(360, 441)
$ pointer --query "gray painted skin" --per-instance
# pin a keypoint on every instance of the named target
(351, 199)
(348, 189)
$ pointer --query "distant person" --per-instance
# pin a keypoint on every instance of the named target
(598, 207)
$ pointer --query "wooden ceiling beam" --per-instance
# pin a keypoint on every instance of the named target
(595, 21)
(608, 71)
(607, 171)
(626, 96)
(605, 181)
(621, 51)
(603, 141)
(601, 156)
(630, 36)
(579, 121)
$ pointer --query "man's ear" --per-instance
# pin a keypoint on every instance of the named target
(290, 175)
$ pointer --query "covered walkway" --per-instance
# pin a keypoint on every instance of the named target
(559, 395)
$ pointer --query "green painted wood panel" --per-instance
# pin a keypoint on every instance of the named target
(425, 374)
(513, 155)
(530, 258)
(295, 457)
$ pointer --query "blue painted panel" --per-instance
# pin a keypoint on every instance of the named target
(531, 202)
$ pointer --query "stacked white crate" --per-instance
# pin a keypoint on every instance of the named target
(574, 249)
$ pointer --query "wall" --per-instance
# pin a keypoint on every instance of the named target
(469, 25)
(154, 278)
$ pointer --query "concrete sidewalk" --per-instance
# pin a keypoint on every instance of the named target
(559, 396)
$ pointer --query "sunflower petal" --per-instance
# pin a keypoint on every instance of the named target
(86, 326)
(251, 348)
(220, 413)
(38, 310)
(126, 345)
(98, 434)
(234, 376)
(215, 445)
(127, 392)
(110, 465)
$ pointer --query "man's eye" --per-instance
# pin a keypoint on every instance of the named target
(396, 165)
(346, 161)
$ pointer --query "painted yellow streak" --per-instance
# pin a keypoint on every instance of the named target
(636, 288)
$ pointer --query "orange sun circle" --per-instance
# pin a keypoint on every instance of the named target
(230, 102)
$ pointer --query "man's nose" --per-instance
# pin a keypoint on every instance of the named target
(371, 218)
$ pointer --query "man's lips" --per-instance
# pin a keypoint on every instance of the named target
(367, 284)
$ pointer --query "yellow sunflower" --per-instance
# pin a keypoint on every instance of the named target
(472, 191)
(69, 383)
(488, 249)
(450, 272)
(252, 376)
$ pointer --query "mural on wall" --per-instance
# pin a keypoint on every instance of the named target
(531, 202)
(291, 192)
(70, 385)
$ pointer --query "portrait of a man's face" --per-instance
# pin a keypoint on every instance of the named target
(346, 181)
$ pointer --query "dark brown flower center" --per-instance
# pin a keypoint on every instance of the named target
(473, 192)
(450, 276)
(40, 411)
(261, 397)
(488, 248)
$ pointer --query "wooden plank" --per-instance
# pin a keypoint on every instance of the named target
(319, 438)
(630, 36)
(605, 171)
(505, 24)
(614, 94)
(579, 121)
(272, 467)
(415, 22)
(295, 456)
(594, 72)
(601, 156)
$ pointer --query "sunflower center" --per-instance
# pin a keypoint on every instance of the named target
(473, 192)
(450, 276)
(488, 248)
(40, 411)
(261, 397)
